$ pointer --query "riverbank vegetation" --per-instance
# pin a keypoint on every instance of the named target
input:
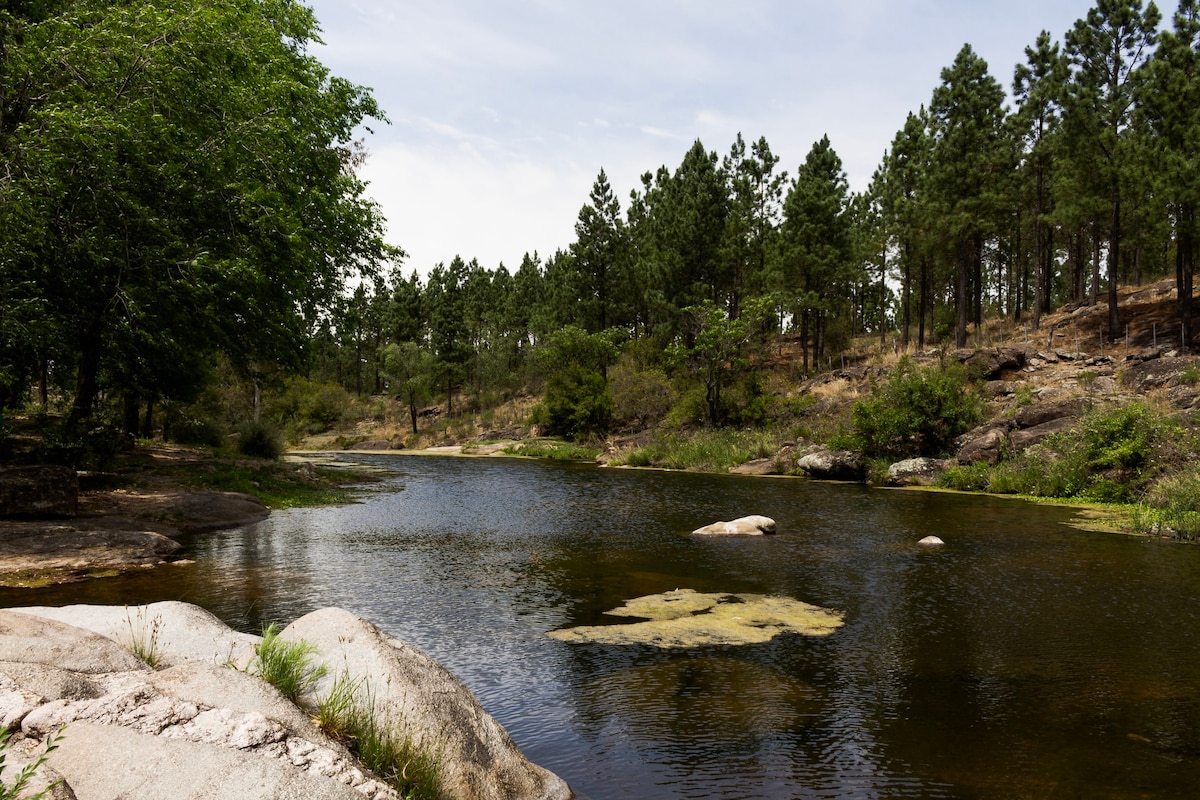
(728, 310)
(346, 714)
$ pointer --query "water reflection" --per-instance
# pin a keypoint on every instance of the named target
(1024, 658)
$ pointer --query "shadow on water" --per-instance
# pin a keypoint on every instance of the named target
(1023, 658)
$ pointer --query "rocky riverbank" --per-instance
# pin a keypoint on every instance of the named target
(201, 722)
(61, 526)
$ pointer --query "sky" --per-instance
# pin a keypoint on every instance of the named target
(503, 112)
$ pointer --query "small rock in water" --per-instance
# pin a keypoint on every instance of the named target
(931, 540)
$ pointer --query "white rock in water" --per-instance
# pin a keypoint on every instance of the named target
(754, 525)
(931, 541)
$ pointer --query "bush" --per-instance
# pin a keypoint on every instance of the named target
(259, 439)
(1173, 505)
(917, 410)
(193, 431)
(641, 395)
(576, 403)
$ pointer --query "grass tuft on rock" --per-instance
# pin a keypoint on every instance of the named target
(347, 714)
(288, 666)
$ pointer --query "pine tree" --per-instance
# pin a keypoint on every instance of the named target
(967, 117)
(1106, 51)
(1171, 102)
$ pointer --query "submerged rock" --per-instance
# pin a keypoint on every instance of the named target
(754, 525)
(687, 618)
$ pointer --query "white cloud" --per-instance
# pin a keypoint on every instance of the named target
(503, 114)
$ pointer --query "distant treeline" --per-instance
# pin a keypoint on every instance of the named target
(179, 185)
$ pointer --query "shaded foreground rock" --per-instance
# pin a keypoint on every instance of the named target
(754, 525)
(414, 694)
(199, 729)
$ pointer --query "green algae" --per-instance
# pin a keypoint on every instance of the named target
(686, 618)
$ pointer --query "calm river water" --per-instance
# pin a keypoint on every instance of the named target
(1025, 659)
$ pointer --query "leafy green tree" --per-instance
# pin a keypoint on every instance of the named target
(1106, 51)
(966, 116)
(410, 370)
(449, 336)
(755, 193)
(180, 178)
(576, 401)
(715, 347)
(905, 206)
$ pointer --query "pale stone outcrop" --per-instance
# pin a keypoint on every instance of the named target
(833, 465)
(754, 525)
(917, 471)
(417, 696)
(177, 632)
(198, 729)
(931, 541)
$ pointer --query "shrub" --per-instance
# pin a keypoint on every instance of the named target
(641, 395)
(259, 439)
(193, 431)
(576, 403)
(916, 410)
(1174, 503)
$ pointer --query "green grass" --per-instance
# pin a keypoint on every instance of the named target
(705, 450)
(554, 449)
(408, 766)
(286, 665)
(347, 714)
(143, 637)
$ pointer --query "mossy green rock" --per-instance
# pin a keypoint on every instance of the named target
(686, 618)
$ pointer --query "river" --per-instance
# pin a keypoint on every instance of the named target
(1025, 658)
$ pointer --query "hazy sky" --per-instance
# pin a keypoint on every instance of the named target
(503, 112)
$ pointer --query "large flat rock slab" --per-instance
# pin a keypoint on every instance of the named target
(106, 762)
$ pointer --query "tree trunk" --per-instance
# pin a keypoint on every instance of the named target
(804, 338)
(922, 302)
(1186, 254)
(87, 383)
(905, 303)
(961, 291)
(1114, 261)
